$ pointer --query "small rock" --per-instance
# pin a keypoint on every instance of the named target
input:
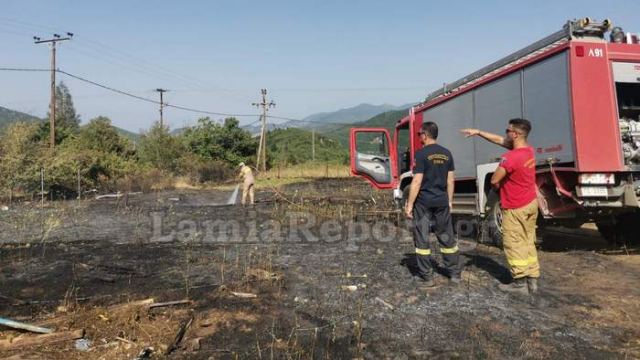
(83, 344)
(194, 344)
(411, 299)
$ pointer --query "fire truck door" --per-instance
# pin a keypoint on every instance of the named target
(373, 157)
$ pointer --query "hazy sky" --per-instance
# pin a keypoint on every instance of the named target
(312, 56)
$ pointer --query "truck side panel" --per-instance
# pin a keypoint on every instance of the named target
(597, 133)
(495, 103)
(539, 92)
(451, 116)
(548, 107)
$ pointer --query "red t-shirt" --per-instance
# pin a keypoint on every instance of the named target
(518, 188)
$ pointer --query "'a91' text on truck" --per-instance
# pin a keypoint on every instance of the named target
(581, 91)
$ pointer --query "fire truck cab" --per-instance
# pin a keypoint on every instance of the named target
(581, 92)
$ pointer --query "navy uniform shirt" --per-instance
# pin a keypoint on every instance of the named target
(435, 162)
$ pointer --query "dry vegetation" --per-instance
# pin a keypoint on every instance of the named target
(91, 265)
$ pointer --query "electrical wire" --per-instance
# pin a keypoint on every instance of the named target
(111, 53)
(338, 126)
(22, 69)
(121, 92)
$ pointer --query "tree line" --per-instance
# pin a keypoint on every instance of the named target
(98, 157)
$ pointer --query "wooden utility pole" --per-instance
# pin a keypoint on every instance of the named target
(161, 91)
(52, 105)
(313, 145)
(262, 146)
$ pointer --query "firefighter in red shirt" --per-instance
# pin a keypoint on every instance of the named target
(515, 177)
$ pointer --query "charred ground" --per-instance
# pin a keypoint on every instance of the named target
(83, 265)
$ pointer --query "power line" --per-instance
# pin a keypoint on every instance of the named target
(338, 125)
(121, 92)
(106, 51)
(22, 69)
(207, 112)
(108, 87)
(125, 93)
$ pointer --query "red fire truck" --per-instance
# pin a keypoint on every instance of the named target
(581, 92)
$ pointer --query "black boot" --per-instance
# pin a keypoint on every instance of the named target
(427, 281)
(517, 286)
(455, 279)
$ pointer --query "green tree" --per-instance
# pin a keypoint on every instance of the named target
(66, 117)
(100, 135)
(19, 156)
(227, 142)
(97, 151)
(293, 146)
(160, 149)
(67, 120)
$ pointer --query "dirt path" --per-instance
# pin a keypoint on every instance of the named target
(331, 279)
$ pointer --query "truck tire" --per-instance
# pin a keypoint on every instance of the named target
(491, 232)
(622, 230)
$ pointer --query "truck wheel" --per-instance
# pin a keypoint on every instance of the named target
(608, 232)
(492, 224)
(621, 232)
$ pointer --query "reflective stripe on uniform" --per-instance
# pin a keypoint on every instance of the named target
(423, 251)
(523, 262)
(451, 250)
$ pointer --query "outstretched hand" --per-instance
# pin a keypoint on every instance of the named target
(470, 132)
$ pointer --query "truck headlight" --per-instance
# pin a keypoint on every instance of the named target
(597, 179)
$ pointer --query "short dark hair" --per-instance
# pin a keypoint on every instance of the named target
(522, 125)
(431, 129)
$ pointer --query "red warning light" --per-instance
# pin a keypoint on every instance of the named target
(579, 51)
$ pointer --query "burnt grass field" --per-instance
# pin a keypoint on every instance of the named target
(322, 269)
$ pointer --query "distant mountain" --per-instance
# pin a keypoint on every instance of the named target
(8, 116)
(127, 134)
(255, 129)
(329, 121)
(352, 115)
(385, 120)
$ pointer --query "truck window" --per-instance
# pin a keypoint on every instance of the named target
(372, 156)
(404, 149)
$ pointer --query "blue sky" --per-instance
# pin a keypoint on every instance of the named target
(312, 56)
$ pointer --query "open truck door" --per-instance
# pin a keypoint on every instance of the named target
(373, 157)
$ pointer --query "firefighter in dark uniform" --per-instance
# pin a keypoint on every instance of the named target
(429, 203)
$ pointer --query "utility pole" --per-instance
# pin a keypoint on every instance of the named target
(161, 91)
(52, 105)
(313, 145)
(262, 146)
